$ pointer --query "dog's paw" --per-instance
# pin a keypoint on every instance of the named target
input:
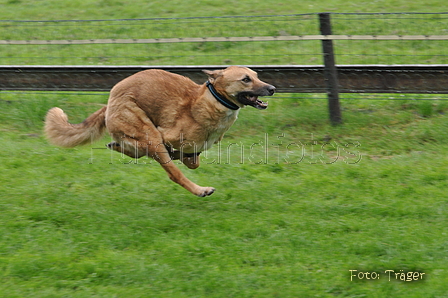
(205, 191)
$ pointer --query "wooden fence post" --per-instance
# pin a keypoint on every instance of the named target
(330, 71)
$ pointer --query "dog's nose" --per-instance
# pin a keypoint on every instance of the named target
(271, 89)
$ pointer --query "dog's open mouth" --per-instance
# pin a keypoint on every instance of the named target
(252, 100)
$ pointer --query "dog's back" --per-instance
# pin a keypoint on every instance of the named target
(157, 92)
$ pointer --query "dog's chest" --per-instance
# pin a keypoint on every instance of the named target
(220, 127)
(197, 135)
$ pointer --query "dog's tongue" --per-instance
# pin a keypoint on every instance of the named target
(253, 98)
(256, 103)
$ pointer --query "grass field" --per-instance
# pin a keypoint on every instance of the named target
(84, 222)
(299, 202)
(90, 9)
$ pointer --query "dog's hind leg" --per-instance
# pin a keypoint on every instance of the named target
(191, 160)
(127, 149)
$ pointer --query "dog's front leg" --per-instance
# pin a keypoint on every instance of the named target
(156, 150)
(177, 176)
(147, 140)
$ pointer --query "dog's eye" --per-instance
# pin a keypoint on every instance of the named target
(247, 80)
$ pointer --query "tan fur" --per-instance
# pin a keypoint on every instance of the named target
(164, 116)
(64, 134)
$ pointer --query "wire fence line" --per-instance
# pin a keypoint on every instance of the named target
(314, 53)
(281, 40)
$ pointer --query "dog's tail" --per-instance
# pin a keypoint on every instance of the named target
(62, 133)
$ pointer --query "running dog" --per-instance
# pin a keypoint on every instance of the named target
(166, 116)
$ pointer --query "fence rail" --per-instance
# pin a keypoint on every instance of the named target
(221, 39)
(429, 79)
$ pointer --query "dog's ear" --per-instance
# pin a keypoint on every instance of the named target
(213, 74)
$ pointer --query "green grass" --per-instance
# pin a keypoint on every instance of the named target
(84, 9)
(368, 195)
(85, 222)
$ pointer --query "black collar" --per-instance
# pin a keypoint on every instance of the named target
(224, 101)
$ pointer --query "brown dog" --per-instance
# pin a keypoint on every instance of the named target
(166, 116)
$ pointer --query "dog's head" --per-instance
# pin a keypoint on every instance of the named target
(240, 85)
